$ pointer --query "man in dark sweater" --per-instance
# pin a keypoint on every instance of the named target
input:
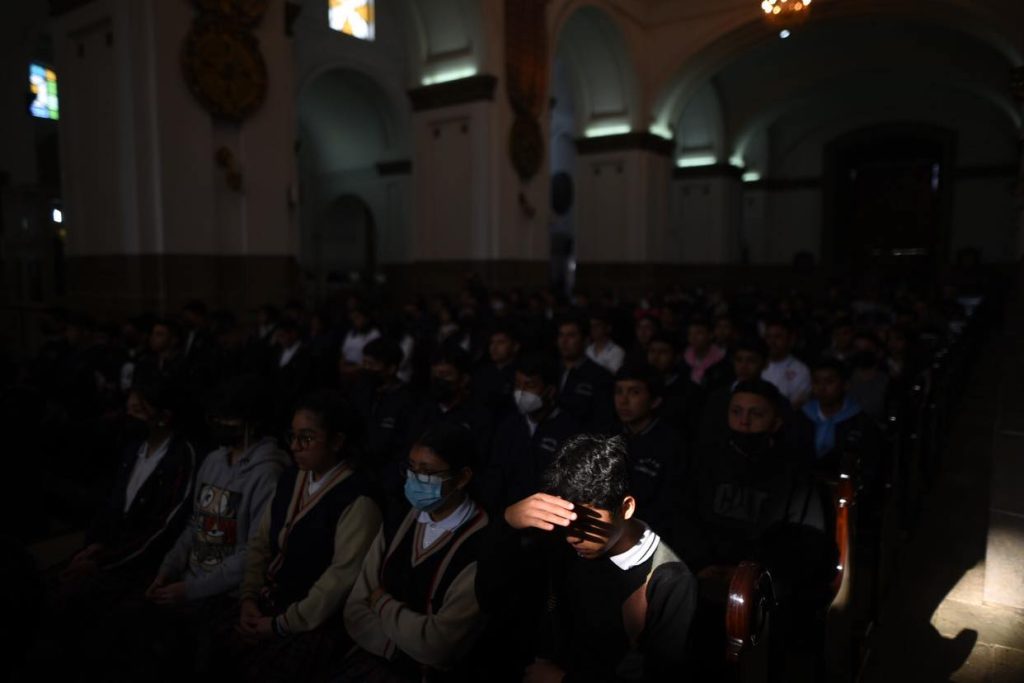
(681, 398)
(585, 388)
(384, 403)
(526, 443)
(494, 379)
(449, 401)
(620, 602)
(746, 484)
(655, 449)
(751, 499)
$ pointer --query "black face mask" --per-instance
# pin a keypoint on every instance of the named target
(442, 390)
(135, 429)
(751, 444)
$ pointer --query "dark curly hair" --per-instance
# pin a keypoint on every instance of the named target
(590, 469)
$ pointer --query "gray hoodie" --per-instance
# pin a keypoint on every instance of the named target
(209, 555)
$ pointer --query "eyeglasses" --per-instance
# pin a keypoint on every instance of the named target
(426, 477)
(305, 438)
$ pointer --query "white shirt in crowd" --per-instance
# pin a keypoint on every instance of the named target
(288, 354)
(145, 465)
(434, 530)
(610, 357)
(352, 347)
(408, 345)
(791, 377)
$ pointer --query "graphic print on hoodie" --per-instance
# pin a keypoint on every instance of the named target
(209, 555)
(217, 532)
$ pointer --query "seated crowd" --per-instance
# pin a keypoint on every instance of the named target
(500, 488)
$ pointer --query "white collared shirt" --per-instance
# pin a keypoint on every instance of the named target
(639, 553)
(352, 346)
(433, 530)
(313, 486)
(145, 464)
(531, 425)
(610, 357)
(288, 354)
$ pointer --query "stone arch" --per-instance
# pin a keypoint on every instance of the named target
(450, 39)
(592, 46)
(351, 119)
(354, 152)
(746, 32)
(345, 246)
(699, 132)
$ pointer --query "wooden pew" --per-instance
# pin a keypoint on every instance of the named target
(751, 602)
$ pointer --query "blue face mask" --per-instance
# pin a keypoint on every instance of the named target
(424, 496)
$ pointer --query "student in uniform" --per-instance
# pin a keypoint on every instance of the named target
(526, 443)
(844, 436)
(585, 388)
(789, 374)
(620, 602)
(149, 501)
(749, 359)
(702, 357)
(494, 378)
(655, 449)
(681, 398)
(450, 401)
(413, 611)
(602, 349)
(307, 552)
(385, 405)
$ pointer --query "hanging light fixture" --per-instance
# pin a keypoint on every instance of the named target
(785, 13)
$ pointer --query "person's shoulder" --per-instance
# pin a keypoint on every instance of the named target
(563, 419)
(668, 570)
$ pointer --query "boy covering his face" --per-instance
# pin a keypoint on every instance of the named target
(621, 601)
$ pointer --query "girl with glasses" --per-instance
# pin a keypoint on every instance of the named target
(414, 607)
(307, 552)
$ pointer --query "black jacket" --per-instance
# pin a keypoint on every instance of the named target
(142, 535)
(519, 459)
(586, 394)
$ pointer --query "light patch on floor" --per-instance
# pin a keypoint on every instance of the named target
(998, 656)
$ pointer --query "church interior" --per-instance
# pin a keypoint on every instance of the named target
(728, 289)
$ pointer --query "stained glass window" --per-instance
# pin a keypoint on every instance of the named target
(43, 83)
(352, 17)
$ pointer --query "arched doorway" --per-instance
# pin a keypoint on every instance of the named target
(593, 94)
(354, 168)
(345, 250)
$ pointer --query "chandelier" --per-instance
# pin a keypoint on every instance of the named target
(786, 12)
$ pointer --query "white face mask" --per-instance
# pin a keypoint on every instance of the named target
(528, 402)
